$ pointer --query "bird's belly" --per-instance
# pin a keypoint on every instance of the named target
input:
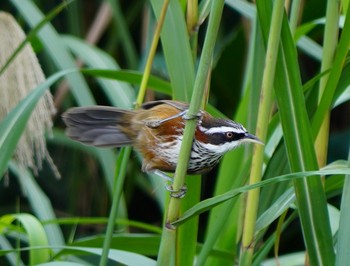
(169, 152)
(201, 160)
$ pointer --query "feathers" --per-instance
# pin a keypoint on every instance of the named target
(156, 131)
(178, 105)
(97, 125)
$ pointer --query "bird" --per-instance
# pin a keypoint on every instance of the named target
(156, 131)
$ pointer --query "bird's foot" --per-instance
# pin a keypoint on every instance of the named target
(187, 116)
(173, 193)
(179, 194)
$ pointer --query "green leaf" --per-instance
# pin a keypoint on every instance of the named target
(210, 203)
(39, 202)
(120, 94)
(145, 244)
(177, 51)
(342, 254)
(124, 257)
(334, 76)
(290, 259)
(275, 210)
(12, 257)
(61, 57)
(13, 125)
(61, 263)
(132, 77)
(55, 47)
(36, 236)
(120, 256)
(299, 143)
(33, 32)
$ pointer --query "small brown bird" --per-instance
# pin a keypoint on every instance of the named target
(156, 131)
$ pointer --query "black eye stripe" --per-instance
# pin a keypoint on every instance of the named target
(231, 136)
(224, 137)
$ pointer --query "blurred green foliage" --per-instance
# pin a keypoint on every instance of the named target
(74, 210)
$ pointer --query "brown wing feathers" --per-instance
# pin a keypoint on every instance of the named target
(97, 125)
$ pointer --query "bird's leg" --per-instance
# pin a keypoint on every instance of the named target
(183, 114)
(157, 123)
(173, 193)
(162, 175)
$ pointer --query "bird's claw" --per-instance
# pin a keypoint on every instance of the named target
(179, 194)
(153, 123)
(186, 116)
(173, 193)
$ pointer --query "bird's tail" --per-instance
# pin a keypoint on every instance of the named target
(98, 125)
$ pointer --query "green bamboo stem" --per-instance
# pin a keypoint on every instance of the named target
(329, 45)
(262, 126)
(192, 15)
(169, 233)
(120, 177)
(197, 96)
(186, 235)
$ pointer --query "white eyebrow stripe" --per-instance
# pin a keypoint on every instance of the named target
(222, 129)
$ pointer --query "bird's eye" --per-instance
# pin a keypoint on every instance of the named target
(229, 135)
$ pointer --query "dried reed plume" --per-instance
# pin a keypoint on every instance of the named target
(19, 78)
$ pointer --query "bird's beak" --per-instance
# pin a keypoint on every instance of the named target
(251, 138)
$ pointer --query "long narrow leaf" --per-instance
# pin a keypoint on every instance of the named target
(119, 93)
(299, 143)
(37, 239)
(343, 255)
(210, 203)
(177, 50)
(311, 200)
(132, 77)
(334, 76)
(40, 203)
(57, 50)
(14, 123)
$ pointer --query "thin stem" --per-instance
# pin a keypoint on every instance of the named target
(262, 126)
(329, 46)
(295, 14)
(117, 192)
(192, 15)
(334, 76)
(119, 181)
(50, 16)
(169, 234)
(196, 101)
(152, 52)
(192, 25)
